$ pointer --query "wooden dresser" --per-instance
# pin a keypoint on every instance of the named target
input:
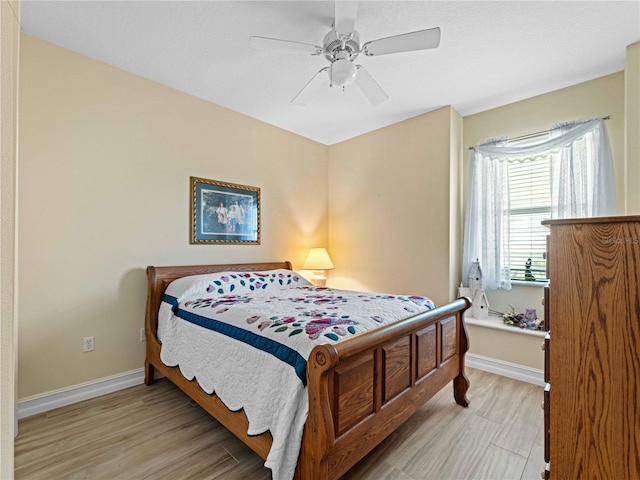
(592, 353)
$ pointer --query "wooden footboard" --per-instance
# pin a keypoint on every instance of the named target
(360, 390)
(363, 388)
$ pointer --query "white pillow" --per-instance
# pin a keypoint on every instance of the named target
(226, 283)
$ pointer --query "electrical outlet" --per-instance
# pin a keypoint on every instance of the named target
(143, 335)
(87, 344)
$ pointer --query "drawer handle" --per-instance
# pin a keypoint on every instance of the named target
(542, 346)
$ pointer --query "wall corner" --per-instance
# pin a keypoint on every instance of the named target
(632, 128)
(9, 58)
(455, 201)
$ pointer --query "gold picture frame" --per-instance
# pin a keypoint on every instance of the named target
(224, 213)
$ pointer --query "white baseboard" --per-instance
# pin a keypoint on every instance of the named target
(77, 393)
(506, 369)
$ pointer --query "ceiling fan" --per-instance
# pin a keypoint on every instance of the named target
(341, 46)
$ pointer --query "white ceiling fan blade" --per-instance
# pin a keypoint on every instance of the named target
(265, 43)
(420, 40)
(345, 18)
(310, 89)
(374, 92)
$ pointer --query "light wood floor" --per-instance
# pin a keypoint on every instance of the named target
(157, 432)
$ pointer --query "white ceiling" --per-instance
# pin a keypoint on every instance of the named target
(491, 52)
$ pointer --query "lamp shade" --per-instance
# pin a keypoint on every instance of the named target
(318, 259)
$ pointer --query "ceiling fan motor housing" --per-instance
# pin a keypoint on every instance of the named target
(332, 45)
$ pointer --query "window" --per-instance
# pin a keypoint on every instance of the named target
(513, 187)
(529, 204)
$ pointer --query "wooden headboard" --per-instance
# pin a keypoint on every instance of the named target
(161, 277)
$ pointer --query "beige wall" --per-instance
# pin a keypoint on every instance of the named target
(512, 347)
(390, 207)
(105, 161)
(632, 127)
(9, 48)
(596, 98)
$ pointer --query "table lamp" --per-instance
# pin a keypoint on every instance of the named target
(319, 262)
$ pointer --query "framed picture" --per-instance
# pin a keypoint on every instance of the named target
(224, 212)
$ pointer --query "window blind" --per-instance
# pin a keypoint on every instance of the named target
(529, 205)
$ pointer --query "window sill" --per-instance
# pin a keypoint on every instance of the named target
(496, 323)
(522, 283)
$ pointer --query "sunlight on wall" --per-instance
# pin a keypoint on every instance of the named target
(390, 203)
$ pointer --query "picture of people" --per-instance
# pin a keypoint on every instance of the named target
(225, 213)
(226, 216)
(231, 218)
(223, 219)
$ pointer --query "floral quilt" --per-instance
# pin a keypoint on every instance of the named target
(261, 327)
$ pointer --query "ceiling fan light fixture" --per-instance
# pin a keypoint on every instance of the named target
(342, 73)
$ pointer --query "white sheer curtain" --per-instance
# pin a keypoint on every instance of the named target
(582, 185)
(486, 232)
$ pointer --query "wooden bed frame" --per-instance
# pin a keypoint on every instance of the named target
(360, 389)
